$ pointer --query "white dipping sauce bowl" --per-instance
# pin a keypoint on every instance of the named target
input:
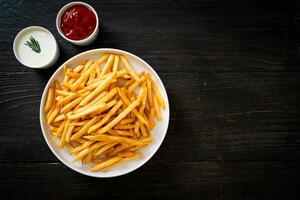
(158, 132)
(26, 56)
(91, 38)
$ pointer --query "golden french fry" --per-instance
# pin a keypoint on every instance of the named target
(106, 118)
(69, 133)
(87, 150)
(83, 76)
(98, 107)
(110, 138)
(156, 92)
(156, 107)
(126, 159)
(135, 84)
(59, 118)
(105, 148)
(67, 99)
(99, 89)
(143, 130)
(108, 65)
(63, 93)
(149, 90)
(52, 115)
(119, 117)
(60, 128)
(105, 164)
(116, 63)
(129, 68)
(81, 147)
(50, 99)
(84, 128)
(63, 136)
(71, 105)
(124, 126)
(151, 118)
(135, 112)
(78, 68)
(127, 121)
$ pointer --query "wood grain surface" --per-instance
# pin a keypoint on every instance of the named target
(231, 70)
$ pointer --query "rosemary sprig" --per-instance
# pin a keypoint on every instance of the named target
(33, 44)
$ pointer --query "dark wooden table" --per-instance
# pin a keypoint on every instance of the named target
(232, 73)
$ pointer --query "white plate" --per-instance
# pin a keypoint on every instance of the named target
(158, 132)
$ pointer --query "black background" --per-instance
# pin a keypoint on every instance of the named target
(231, 70)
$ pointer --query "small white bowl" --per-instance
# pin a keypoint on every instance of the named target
(87, 40)
(49, 48)
(158, 132)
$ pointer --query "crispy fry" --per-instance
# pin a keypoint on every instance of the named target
(50, 99)
(157, 93)
(108, 65)
(129, 68)
(105, 164)
(99, 89)
(106, 118)
(135, 112)
(98, 107)
(119, 117)
(135, 84)
(156, 107)
(136, 155)
(84, 128)
(116, 63)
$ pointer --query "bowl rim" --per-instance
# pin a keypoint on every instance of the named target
(97, 174)
(47, 64)
(63, 9)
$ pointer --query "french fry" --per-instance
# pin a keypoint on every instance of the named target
(157, 93)
(105, 148)
(81, 147)
(116, 63)
(106, 163)
(63, 136)
(89, 149)
(135, 84)
(149, 90)
(60, 128)
(83, 76)
(108, 65)
(143, 130)
(98, 107)
(71, 105)
(129, 68)
(119, 117)
(135, 112)
(99, 89)
(124, 126)
(111, 139)
(156, 107)
(67, 99)
(126, 159)
(84, 128)
(127, 121)
(49, 99)
(106, 118)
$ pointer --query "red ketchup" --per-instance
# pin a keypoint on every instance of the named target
(78, 22)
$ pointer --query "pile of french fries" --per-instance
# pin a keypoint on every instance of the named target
(103, 111)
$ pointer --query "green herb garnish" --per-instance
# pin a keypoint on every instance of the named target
(33, 44)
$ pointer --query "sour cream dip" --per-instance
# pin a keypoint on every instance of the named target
(36, 47)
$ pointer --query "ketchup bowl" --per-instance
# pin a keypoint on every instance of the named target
(78, 23)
